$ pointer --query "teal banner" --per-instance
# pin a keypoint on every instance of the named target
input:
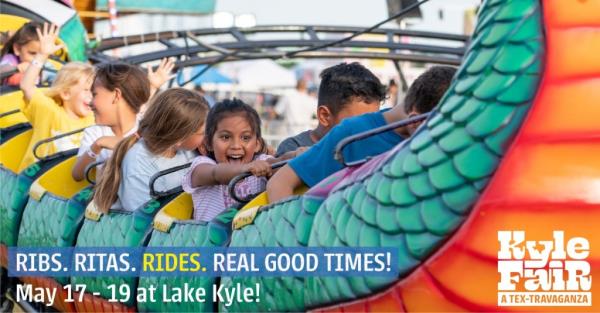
(188, 7)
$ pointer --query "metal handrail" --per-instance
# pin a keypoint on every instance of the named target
(424, 51)
(159, 194)
(339, 156)
(88, 171)
(123, 41)
(15, 111)
(234, 181)
(13, 69)
(48, 140)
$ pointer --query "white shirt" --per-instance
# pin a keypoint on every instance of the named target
(92, 133)
(138, 166)
(297, 109)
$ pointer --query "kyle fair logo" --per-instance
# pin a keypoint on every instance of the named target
(543, 273)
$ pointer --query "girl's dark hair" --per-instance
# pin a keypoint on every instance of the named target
(131, 81)
(227, 108)
(23, 36)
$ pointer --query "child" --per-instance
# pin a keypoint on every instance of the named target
(346, 90)
(173, 123)
(19, 51)
(234, 145)
(317, 162)
(63, 108)
(120, 91)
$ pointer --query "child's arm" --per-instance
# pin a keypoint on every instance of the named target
(29, 79)
(47, 47)
(78, 171)
(282, 184)
(288, 155)
(222, 173)
(104, 142)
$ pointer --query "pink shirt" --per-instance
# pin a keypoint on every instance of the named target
(209, 201)
(9, 60)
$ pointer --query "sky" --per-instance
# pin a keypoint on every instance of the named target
(301, 12)
(345, 12)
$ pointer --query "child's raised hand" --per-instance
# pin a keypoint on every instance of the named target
(162, 74)
(258, 168)
(47, 38)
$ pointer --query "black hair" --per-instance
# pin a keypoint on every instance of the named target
(427, 90)
(25, 34)
(226, 108)
(343, 83)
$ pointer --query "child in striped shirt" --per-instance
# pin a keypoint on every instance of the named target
(233, 145)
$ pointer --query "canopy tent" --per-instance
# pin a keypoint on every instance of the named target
(258, 75)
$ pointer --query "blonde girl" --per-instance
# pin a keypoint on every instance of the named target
(171, 128)
(64, 107)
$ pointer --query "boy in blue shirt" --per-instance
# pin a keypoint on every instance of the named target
(317, 163)
(345, 90)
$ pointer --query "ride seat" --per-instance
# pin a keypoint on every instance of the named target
(173, 228)
(11, 153)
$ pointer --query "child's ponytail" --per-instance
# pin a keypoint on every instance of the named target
(106, 190)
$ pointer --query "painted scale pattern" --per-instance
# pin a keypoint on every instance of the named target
(116, 229)
(17, 200)
(546, 181)
(424, 191)
(9, 180)
(286, 224)
(215, 233)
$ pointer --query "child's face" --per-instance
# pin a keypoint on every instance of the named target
(103, 105)
(234, 141)
(28, 51)
(195, 140)
(77, 98)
